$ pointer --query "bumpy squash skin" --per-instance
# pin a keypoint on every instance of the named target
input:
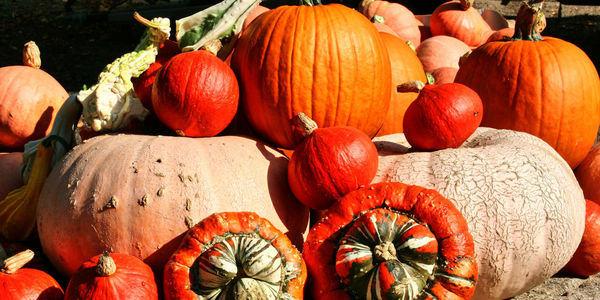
(335, 265)
(521, 200)
(132, 279)
(268, 256)
(139, 194)
(327, 61)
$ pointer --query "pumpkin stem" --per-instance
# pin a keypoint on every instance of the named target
(466, 4)
(530, 21)
(31, 55)
(311, 2)
(413, 86)
(305, 123)
(106, 265)
(378, 19)
(385, 251)
(16, 262)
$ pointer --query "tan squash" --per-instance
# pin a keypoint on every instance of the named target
(521, 201)
(10, 170)
(138, 195)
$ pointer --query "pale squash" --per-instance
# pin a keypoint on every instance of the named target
(521, 200)
(138, 195)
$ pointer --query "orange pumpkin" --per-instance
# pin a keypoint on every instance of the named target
(460, 20)
(406, 66)
(29, 101)
(543, 86)
(327, 61)
(586, 260)
(588, 174)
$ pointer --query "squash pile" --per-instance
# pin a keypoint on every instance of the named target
(317, 150)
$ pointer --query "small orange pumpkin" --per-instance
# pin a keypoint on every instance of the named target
(460, 20)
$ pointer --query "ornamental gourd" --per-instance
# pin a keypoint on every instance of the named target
(391, 241)
(18, 283)
(29, 101)
(112, 276)
(140, 201)
(405, 67)
(521, 201)
(327, 61)
(235, 255)
(543, 86)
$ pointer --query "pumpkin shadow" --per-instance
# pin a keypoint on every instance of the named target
(39, 131)
(291, 212)
(160, 257)
(51, 293)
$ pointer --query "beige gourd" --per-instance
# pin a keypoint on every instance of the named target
(521, 200)
(138, 195)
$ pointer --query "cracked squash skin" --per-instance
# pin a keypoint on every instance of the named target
(138, 195)
(521, 200)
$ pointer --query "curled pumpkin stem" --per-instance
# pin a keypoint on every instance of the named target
(530, 21)
(111, 104)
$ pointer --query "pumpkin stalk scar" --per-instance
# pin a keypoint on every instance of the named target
(106, 265)
(385, 251)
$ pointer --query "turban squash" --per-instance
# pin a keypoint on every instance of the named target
(521, 201)
(140, 201)
(327, 61)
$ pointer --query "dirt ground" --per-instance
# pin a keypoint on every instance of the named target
(76, 46)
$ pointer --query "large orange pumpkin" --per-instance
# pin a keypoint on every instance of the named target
(544, 86)
(327, 61)
(406, 66)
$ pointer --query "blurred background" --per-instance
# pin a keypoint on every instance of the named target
(77, 38)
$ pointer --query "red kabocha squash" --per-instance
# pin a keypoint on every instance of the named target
(29, 101)
(195, 94)
(391, 240)
(17, 283)
(586, 260)
(405, 67)
(588, 174)
(460, 20)
(399, 18)
(10, 164)
(443, 116)
(441, 51)
(521, 200)
(552, 85)
(143, 84)
(112, 276)
(334, 67)
(139, 194)
(329, 163)
(235, 255)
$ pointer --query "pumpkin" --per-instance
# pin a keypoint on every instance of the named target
(444, 75)
(334, 67)
(140, 201)
(29, 101)
(586, 260)
(441, 51)
(394, 241)
(329, 163)
(521, 201)
(588, 174)
(10, 164)
(112, 276)
(17, 283)
(378, 22)
(443, 116)
(500, 34)
(235, 255)
(143, 84)
(460, 20)
(254, 13)
(399, 18)
(405, 67)
(542, 86)
(195, 94)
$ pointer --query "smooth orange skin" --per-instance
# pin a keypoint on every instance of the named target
(29, 101)
(406, 66)
(588, 174)
(327, 61)
(465, 25)
(399, 18)
(586, 260)
(547, 88)
(28, 283)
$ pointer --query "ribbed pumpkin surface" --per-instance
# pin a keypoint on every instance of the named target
(327, 61)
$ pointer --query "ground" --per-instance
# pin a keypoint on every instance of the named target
(76, 46)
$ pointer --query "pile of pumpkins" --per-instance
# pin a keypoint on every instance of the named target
(335, 152)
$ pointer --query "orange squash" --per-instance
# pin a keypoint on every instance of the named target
(543, 86)
(588, 174)
(460, 20)
(327, 61)
(586, 260)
